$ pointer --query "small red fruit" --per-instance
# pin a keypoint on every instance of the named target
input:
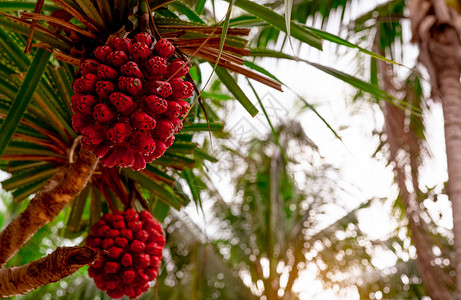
(177, 68)
(131, 69)
(106, 72)
(89, 66)
(153, 105)
(101, 53)
(119, 132)
(122, 103)
(140, 52)
(164, 48)
(85, 84)
(117, 58)
(130, 85)
(103, 113)
(143, 37)
(104, 89)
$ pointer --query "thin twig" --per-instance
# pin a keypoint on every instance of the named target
(37, 9)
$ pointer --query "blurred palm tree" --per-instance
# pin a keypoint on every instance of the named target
(385, 27)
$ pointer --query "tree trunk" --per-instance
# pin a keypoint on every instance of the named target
(64, 186)
(434, 26)
(402, 144)
(450, 88)
(59, 264)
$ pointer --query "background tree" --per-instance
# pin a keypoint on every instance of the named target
(384, 28)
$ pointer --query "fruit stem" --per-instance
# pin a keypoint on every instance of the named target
(62, 262)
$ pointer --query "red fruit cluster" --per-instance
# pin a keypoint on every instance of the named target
(128, 103)
(134, 243)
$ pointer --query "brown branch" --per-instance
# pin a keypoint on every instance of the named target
(38, 17)
(64, 186)
(66, 58)
(236, 68)
(207, 29)
(63, 262)
(79, 16)
(37, 9)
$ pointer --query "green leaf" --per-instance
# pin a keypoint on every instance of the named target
(297, 31)
(189, 13)
(78, 206)
(91, 11)
(10, 6)
(15, 166)
(199, 6)
(28, 177)
(38, 35)
(354, 81)
(246, 21)
(311, 107)
(203, 127)
(14, 52)
(274, 134)
(161, 210)
(337, 40)
(160, 175)
(175, 161)
(222, 41)
(288, 9)
(364, 86)
(96, 205)
(195, 184)
(260, 70)
(202, 154)
(216, 96)
(166, 195)
(23, 97)
(235, 89)
(183, 147)
(26, 191)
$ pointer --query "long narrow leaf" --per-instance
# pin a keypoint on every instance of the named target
(297, 31)
(24, 192)
(38, 35)
(10, 6)
(274, 134)
(203, 127)
(189, 13)
(370, 88)
(340, 41)
(288, 8)
(235, 89)
(23, 97)
(199, 6)
(28, 177)
(14, 52)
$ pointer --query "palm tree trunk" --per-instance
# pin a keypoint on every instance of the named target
(402, 142)
(434, 29)
(450, 89)
(63, 187)
(59, 264)
(271, 290)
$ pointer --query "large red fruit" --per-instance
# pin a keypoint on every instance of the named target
(128, 101)
(134, 253)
